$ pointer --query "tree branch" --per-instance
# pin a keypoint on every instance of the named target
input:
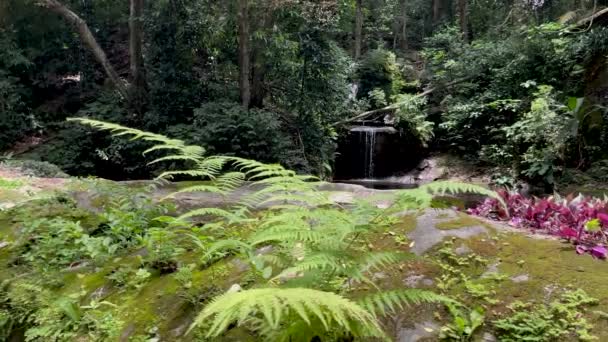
(88, 38)
(591, 18)
(394, 106)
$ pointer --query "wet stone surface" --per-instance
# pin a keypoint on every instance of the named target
(427, 235)
(419, 331)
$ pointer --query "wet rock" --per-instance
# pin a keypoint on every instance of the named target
(235, 288)
(415, 280)
(76, 267)
(379, 276)
(522, 278)
(426, 235)
(462, 250)
(487, 337)
(491, 270)
(125, 336)
(420, 331)
(240, 265)
(264, 250)
(428, 170)
(427, 282)
(181, 329)
(101, 292)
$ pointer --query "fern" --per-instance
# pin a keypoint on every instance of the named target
(280, 308)
(385, 302)
(311, 237)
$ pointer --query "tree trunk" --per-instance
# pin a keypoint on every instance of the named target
(463, 18)
(137, 89)
(88, 38)
(358, 30)
(436, 11)
(244, 62)
(258, 73)
(404, 27)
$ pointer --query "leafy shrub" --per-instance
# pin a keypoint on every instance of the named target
(227, 128)
(14, 120)
(492, 113)
(560, 320)
(47, 317)
(378, 70)
(411, 114)
(583, 220)
(36, 168)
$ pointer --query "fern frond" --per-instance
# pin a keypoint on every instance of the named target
(287, 235)
(380, 260)
(385, 302)
(224, 245)
(190, 173)
(451, 187)
(197, 188)
(326, 261)
(174, 158)
(280, 308)
(230, 180)
(216, 212)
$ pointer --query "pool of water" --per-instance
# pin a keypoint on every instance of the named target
(379, 184)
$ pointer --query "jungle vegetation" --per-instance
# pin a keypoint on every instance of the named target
(277, 81)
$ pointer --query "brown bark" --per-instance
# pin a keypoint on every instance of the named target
(436, 11)
(87, 37)
(589, 20)
(404, 26)
(137, 88)
(358, 29)
(244, 62)
(258, 73)
(463, 19)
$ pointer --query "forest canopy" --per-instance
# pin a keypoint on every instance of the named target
(279, 81)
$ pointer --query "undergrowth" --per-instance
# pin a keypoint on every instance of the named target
(304, 281)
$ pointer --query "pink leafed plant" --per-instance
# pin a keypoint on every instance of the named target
(582, 220)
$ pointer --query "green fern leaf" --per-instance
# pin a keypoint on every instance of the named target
(283, 307)
(388, 301)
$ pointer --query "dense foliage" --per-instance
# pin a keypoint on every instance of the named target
(494, 73)
(295, 288)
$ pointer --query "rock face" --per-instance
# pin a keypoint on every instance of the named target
(504, 265)
(419, 332)
(427, 235)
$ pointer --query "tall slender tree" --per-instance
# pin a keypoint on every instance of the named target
(87, 37)
(358, 29)
(137, 88)
(403, 40)
(244, 54)
(463, 18)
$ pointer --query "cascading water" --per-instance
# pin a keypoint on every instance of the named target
(369, 143)
(373, 155)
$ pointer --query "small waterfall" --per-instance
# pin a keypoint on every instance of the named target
(367, 140)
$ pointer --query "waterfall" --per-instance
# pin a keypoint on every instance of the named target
(368, 146)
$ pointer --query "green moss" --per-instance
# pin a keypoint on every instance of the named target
(7, 184)
(11, 196)
(463, 220)
(392, 238)
(445, 202)
(552, 267)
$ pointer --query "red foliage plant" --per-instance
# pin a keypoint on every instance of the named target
(582, 220)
